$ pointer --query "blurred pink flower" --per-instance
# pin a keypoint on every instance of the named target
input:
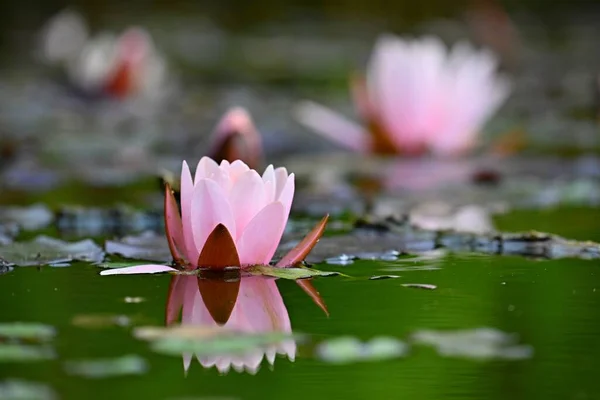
(259, 308)
(236, 138)
(417, 97)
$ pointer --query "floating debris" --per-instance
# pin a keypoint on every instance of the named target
(134, 300)
(106, 368)
(380, 277)
(16, 389)
(146, 246)
(479, 343)
(44, 250)
(26, 331)
(420, 286)
(345, 350)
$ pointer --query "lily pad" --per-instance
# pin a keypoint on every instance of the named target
(288, 273)
(480, 343)
(23, 353)
(345, 350)
(15, 389)
(33, 217)
(146, 246)
(106, 368)
(203, 341)
(45, 250)
(26, 330)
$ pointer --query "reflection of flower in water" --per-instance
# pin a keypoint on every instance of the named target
(258, 308)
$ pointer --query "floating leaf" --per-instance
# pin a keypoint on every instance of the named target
(347, 349)
(480, 343)
(425, 286)
(146, 246)
(32, 217)
(288, 273)
(23, 353)
(105, 368)
(46, 250)
(26, 330)
(95, 321)
(208, 341)
(15, 389)
(120, 264)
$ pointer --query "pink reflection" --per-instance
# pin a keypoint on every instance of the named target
(258, 308)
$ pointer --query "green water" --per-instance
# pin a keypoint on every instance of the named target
(551, 305)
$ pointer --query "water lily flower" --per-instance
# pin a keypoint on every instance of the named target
(258, 309)
(123, 66)
(417, 97)
(236, 138)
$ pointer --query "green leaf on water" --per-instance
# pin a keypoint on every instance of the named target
(204, 341)
(105, 368)
(23, 353)
(15, 389)
(289, 273)
(346, 349)
(121, 264)
(26, 330)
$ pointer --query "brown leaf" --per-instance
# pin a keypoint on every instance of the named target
(299, 253)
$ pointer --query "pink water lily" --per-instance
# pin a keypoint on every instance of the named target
(258, 308)
(229, 210)
(417, 97)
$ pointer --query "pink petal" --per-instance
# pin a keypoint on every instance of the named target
(210, 207)
(187, 190)
(138, 269)
(333, 126)
(287, 195)
(281, 176)
(236, 170)
(205, 166)
(258, 242)
(247, 198)
(209, 169)
(270, 181)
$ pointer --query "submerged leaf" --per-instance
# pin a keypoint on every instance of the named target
(46, 250)
(105, 368)
(288, 273)
(26, 330)
(344, 350)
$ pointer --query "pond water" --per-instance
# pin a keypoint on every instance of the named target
(545, 312)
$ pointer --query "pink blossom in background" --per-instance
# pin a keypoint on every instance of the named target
(127, 65)
(417, 97)
(259, 309)
(236, 138)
